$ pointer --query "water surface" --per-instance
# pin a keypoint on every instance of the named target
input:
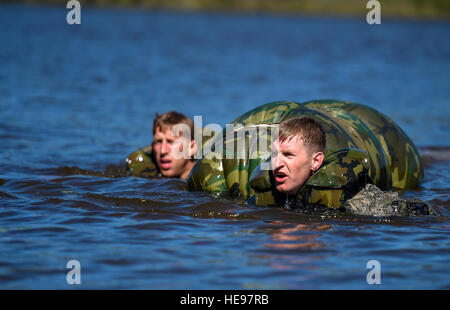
(76, 100)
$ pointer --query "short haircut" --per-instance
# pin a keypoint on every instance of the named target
(170, 119)
(305, 128)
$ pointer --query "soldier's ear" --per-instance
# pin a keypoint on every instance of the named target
(317, 159)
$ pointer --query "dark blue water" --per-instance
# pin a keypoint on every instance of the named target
(75, 100)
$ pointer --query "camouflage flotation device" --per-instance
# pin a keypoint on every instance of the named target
(363, 146)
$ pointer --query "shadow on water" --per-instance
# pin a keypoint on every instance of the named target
(115, 188)
(433, 155)
(111, 171)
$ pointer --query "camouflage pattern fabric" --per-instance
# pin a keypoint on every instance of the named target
(363, 146)
(142, 163)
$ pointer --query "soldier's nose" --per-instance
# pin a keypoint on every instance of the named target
(165, 148)
(278, 162)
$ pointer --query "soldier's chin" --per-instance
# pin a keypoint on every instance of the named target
(282, 188)
(168, 173)
(285, 190)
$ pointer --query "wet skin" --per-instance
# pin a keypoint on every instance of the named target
(293, 163)
(167, 149)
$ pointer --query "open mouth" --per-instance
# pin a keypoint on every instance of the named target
(280, 177)
(165, 164)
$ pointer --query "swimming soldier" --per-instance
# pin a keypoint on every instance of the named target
(160, 158)
(329, 155)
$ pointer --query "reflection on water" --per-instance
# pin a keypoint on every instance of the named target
(293, 238)
(76, 100)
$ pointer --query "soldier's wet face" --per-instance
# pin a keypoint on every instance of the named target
(164, 147)
(292, 164)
